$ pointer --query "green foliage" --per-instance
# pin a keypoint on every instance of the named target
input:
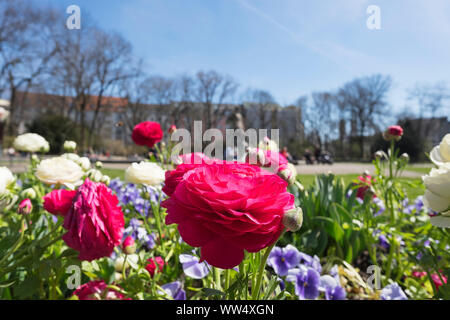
(55, 129)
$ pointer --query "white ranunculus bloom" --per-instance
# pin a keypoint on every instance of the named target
(441, 153)
(59, 170)
(71, 156)
(6, 178)
(146, 173)
(268, 144)
(437, 193)
(31, 142)
(70, 146)
(84, 163)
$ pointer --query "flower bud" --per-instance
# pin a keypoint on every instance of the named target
(288, 173)
(128, 245)
(379, 154)
(106, 180)
(70, 146)
(28, 193)
(25, 207)
(98, 165)
(404, 157)
(293, 219)
(95, 175)
(393, 133)
(172, 129)
(84, 163)
(34, 158)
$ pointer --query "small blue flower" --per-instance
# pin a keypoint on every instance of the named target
(393, 292)
(283, 259)
(192, 268)
(306, 280)
(331, 287)
(175, 290)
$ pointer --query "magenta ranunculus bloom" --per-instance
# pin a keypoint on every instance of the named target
(396, 131)
(147, 133)
(97, 290)
(94, 219)
(226, 208)
(58, 202)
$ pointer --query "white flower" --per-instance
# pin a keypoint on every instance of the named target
(146, 173)
(268, 144)
(437, 193)
(132, 260)
(84, 163)
(59, 170)
(71, 156)
(4, 114)
(70, 146)
(95, 175)
(441, 153)
(6, 178)
(31, 142)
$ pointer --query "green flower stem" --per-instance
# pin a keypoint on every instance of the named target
(218, 285)
(390, 259)
(256, 290)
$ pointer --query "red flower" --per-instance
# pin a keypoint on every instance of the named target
(435, 277)
(393, 133)
(366, 183)
(396, 131)
(172, 129)
(94, 219)
(128, 245)
(147, 134)
(25, 207)
(97, 290)
(151, 267)
(58, 202)
(226, 208)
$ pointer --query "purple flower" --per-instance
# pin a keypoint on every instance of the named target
(331, 287)
(139, 233)
(380, 206)
(419, 203)
(283, 259)
(175, 290)
(313, 262)
(306, 280)
(384, 242)
(192, 268)
(393, 292)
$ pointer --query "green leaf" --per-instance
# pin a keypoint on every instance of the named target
(207, 292)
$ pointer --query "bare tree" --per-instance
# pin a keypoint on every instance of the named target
(429, 98)
(365, 98)
(23, 58)
(265, 105)
(112, 58)
(212, 91)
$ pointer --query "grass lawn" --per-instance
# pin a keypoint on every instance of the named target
(114, 173)
(419, 169)
(309, 179)
(412, 192)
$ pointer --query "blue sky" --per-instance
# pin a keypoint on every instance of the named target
(288, 47)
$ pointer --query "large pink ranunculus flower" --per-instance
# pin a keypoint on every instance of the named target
(58, 202)
(97, 290)
(147, 133)
(226, 208)
(94, 219)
